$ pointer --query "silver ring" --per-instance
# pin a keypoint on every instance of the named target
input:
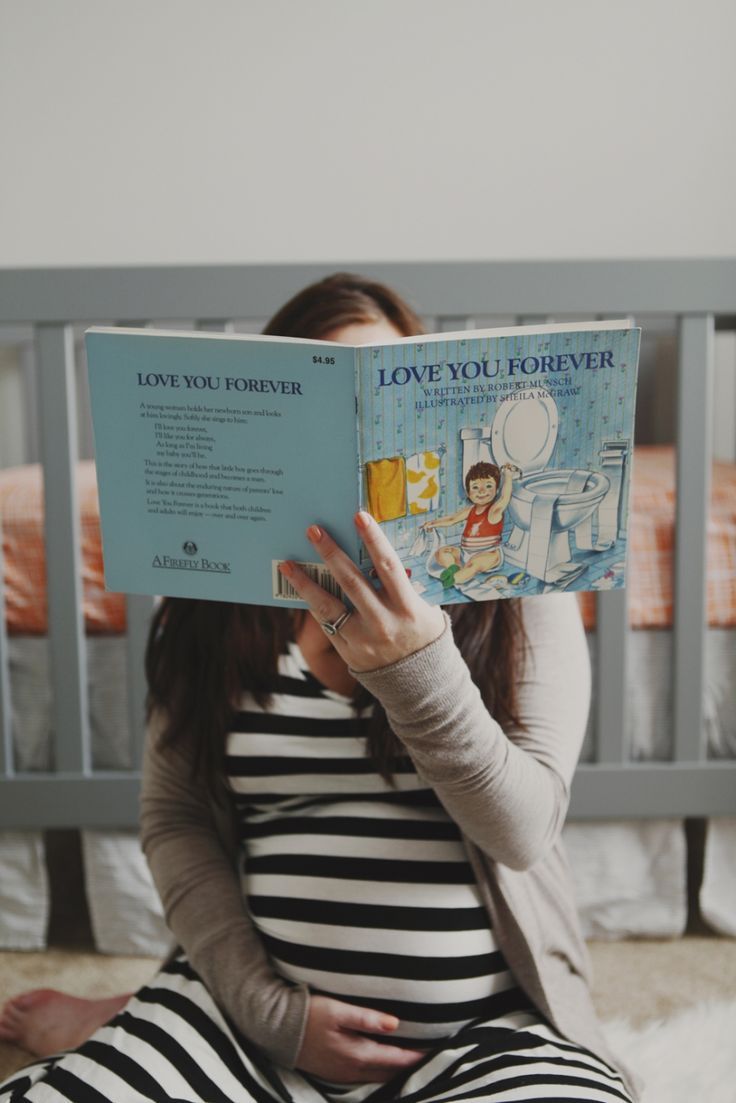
(331, 629)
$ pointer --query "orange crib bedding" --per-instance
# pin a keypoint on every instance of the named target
(650, 569)
(22, 512)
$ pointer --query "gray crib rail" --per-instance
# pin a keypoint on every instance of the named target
(700, 293)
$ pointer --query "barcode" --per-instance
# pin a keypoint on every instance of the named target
(282, 588)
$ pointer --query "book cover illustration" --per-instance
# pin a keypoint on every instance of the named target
(499, 466)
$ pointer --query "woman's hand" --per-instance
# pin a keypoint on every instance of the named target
(385, 625)
(335, 1049)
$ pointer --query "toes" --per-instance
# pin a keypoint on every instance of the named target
(26, 1001)
(14, 1015)
(11, 1018)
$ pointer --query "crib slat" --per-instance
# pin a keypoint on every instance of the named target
(696, 371)
(106, 800)
(6, 734)
(612, 631)
(645, 790)
(653, 790)
(138, 608)
(29, 375)
(611, 642)
(478, 287)
(55, 352)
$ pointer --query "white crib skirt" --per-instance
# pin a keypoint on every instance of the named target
(24, 891)
(718, 890)
(125, 911)
(630, 877)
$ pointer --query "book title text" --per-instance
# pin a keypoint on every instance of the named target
(514, 366)
(216, 383)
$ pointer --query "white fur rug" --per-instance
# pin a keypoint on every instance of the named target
(689, 1058)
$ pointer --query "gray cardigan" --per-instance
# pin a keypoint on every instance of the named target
(507, 790)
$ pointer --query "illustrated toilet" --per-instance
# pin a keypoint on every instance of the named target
(547, 505)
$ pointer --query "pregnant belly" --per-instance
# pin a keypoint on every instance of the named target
(401, 929)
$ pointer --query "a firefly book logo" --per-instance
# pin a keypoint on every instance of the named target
(172, 563)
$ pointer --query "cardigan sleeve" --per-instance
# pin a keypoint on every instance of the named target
(202, 899)
(507, 790)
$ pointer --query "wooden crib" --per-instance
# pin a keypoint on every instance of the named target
(699, 295)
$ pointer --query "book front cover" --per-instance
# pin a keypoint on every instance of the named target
(500, 466)
(214, 454)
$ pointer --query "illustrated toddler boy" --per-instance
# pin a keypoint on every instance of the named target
(489, 492)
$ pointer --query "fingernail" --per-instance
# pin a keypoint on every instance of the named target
(286, 567)
(362, 519)
(314, 533)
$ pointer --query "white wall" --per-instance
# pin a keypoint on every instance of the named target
(145, 131)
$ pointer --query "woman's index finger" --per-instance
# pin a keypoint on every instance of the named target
(389, 569)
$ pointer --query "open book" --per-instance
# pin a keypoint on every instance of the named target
(497, 461)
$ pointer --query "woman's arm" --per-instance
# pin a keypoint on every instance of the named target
(507, 790)
(203, 904)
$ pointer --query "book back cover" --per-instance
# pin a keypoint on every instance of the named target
(213, 455)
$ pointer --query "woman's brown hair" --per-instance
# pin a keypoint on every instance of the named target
(202, 655)
(342, 300)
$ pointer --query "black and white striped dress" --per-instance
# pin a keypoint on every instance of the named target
(363, 891)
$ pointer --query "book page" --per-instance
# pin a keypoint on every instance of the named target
(213, 456)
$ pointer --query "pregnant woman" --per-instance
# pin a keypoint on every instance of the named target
(352, 814)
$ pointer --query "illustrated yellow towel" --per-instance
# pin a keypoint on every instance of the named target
(386, 485)
(422, 471)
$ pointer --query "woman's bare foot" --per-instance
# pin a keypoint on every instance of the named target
(45, 1021)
